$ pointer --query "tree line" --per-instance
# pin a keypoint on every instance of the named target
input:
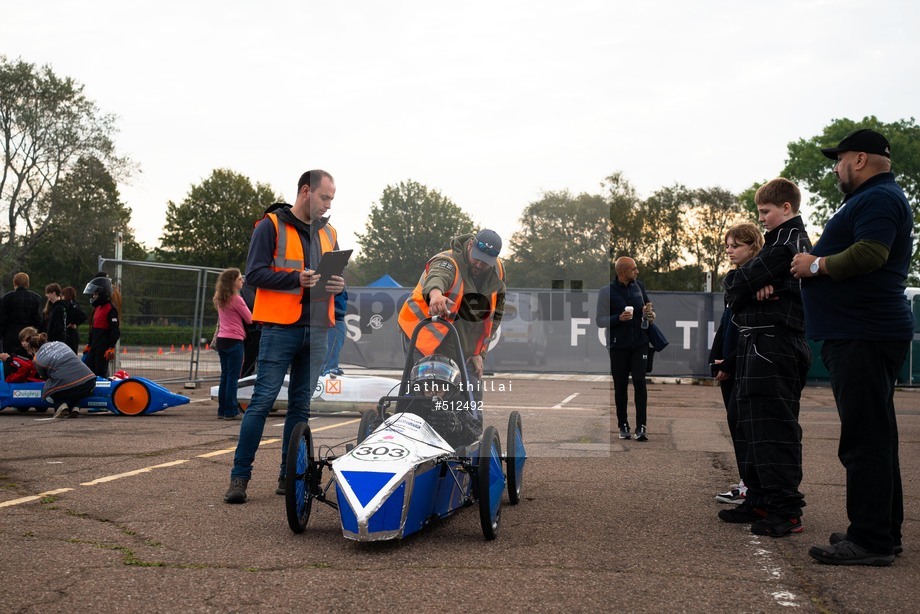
(61, 206)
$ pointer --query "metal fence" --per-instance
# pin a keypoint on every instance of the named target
(166, 320)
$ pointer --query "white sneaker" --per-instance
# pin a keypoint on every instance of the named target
(62, 411)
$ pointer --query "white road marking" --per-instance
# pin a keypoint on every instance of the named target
(127, 474)
(40, 495)
(565, 400)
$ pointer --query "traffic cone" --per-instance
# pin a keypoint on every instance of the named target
(124, 350)
(160, 351)
(172, 349)
(207, 346)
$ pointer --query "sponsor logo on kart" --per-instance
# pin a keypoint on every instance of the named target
(333, 386)
(98, 404)
(27, 394)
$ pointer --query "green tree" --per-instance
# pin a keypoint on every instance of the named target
(562, 237)
(89, 212)
(411, 224)
(46, 125)
(624, 220)
(713, 211)
(813, 172)
(663, 228)
(213, 225)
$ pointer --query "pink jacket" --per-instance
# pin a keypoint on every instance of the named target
(233, 319)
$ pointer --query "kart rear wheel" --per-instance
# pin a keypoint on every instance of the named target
(370, 420)
(515, 458)
(131, 397)
(490, 482)
(300, 478)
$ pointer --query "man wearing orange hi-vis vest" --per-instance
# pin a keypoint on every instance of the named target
(465, 283)
(296, 314)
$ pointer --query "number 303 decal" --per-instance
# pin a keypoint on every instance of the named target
(380, 451)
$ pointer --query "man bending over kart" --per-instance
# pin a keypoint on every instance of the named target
(465, 283)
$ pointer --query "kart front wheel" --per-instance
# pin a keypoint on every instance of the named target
(300, 478)
(490, 482)
(131, 397)
(516, 457)
(370, 420)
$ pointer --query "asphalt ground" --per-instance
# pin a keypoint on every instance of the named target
(114, 514)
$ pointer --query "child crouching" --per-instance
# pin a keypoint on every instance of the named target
(67, 379)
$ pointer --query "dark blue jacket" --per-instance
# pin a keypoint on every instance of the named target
(611, 301)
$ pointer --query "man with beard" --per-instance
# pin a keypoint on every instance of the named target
(853, 285)
(465, 283)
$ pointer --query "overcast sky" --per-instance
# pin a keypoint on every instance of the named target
(491, 103)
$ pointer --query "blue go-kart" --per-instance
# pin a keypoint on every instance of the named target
(420, 455)
(134, 396)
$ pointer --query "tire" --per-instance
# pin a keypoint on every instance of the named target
(490, 482)
(516, 456)
(300, 478)
(369, 422)
(131, 397)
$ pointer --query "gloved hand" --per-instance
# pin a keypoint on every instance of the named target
(110, 354)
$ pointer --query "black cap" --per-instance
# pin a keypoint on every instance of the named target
(863, 139)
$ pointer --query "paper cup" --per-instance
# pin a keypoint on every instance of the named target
(629, 309)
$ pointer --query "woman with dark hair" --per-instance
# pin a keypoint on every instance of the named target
(67, 379)
(233, 317)
(55, 314)
(74, 317)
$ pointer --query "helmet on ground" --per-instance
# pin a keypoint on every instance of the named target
(102, 287)
(435, 375)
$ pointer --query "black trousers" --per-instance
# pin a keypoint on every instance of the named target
(73, 394)
(863, 375)
(727, 387)
(771, 373)
(623, 364)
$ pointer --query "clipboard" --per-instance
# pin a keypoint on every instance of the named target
(332, 263)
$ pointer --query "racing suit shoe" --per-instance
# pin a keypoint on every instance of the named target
(777, 526)
(742, 514)
(841, 536)
(624, 432)
(281, 487)
(640, 433)
(237, 491)
(62, 411)
(846, 552)
(74, 413)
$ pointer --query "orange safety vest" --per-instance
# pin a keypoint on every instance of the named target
(415, 309)
(284, 306)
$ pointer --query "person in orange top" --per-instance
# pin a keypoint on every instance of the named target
(296, 315)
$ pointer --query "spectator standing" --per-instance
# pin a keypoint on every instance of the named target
(627, 341)
(853, 287)
(55, 315)
(286, 247)
(75, 317)
(337, 336)
(742, 242)
(18, 309)
(106, 328)
(772, 363)
(233, 317)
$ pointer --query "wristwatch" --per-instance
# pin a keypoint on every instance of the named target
(815, 266)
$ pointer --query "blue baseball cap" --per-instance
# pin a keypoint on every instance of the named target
(486, 246)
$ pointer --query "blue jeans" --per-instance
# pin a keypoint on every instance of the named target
(336, 341)
(231, 362)
(281, 347)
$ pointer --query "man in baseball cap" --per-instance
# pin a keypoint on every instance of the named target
(863, 139)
